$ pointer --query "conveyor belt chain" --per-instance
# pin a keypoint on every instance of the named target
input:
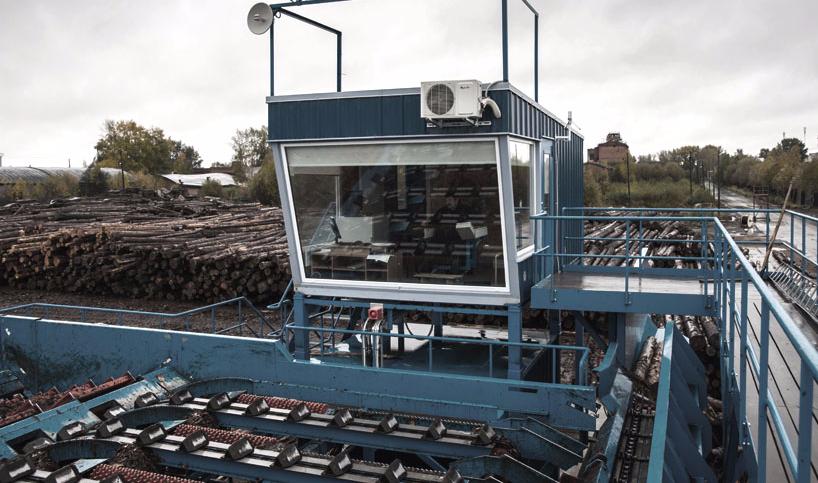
(241, 459)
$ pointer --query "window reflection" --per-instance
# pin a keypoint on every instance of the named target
(426, 212)
(521, 180)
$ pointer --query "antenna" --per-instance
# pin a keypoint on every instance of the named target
(260, 18)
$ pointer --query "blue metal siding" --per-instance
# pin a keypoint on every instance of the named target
(396, 115)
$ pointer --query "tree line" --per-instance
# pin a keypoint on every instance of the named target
(684, 176)
(145, 152)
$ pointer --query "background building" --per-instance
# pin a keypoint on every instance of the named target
(613, 150)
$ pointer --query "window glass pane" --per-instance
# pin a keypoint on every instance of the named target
(425, 213)
(520, 155)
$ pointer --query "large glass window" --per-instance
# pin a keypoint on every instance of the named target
(425, 212)
(520, 155)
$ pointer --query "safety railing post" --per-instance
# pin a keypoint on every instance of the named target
(792, 233)
(213, 320)
(638, 248)
(731, 319)
(491, 360)
(767, 230)
(763, 377)
(742, 370)
(627, 261)
(705, 262)
(726, 259)
(704, 241)
(430, 355)
(805, 423)
(804, 252)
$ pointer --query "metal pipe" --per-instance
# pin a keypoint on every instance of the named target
(278, 10)
(272, 58)
(536, 57)
(299, 3)
(504, 20)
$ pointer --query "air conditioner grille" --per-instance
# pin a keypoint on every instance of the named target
(440, 99)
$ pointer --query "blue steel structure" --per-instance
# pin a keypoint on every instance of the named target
(466, 404)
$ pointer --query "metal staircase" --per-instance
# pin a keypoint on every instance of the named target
(797, 287)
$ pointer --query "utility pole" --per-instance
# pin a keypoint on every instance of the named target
(122, 170)
(718, 175)
(628, 170)
(690, 175)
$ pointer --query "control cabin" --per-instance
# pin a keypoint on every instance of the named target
(382, 204)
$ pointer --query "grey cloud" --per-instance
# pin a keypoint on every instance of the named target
(732, 72)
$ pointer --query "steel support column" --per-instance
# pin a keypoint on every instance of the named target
(301, 337)
(515, 336)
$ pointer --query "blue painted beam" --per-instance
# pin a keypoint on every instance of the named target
(544, 297)
(61, 351)
(50, 422)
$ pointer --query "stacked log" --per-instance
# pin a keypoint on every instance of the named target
(649, 363)
(136, 246)
(608, 241)
(704, 336)
(782, 256)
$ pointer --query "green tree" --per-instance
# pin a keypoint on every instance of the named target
(137, 148)
(791, 145)
(264, 186)
(688, 157)
(93, 181)
(250, 147)
(212, 187)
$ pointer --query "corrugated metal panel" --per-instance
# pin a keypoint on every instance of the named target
(197, 180)
(384, 114)
(11, 175)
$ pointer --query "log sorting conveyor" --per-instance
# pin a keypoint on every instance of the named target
(241, 435)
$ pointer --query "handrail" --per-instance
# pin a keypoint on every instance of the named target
(163, 316)
(803, 346)
(283, 299)
(732, 277)
(581, 377)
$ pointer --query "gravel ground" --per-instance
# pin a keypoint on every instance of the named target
(224, 317)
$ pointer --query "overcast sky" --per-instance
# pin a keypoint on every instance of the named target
(736, 73)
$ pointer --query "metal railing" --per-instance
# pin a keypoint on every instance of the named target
(284, 306)
(493, 349)
(797, 276)
(736, 280)
(793, 234)
(745, 336)
(210, 317)
(334, 321)
(634, 257)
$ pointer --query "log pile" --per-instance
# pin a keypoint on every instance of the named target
(607, 241)
(142, 247)
(703, 334)
(649, 363)
(782, 256)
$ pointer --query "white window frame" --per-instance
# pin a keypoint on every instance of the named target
(533, 198)
(397, 286)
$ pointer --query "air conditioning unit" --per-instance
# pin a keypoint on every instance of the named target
(451, 99)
